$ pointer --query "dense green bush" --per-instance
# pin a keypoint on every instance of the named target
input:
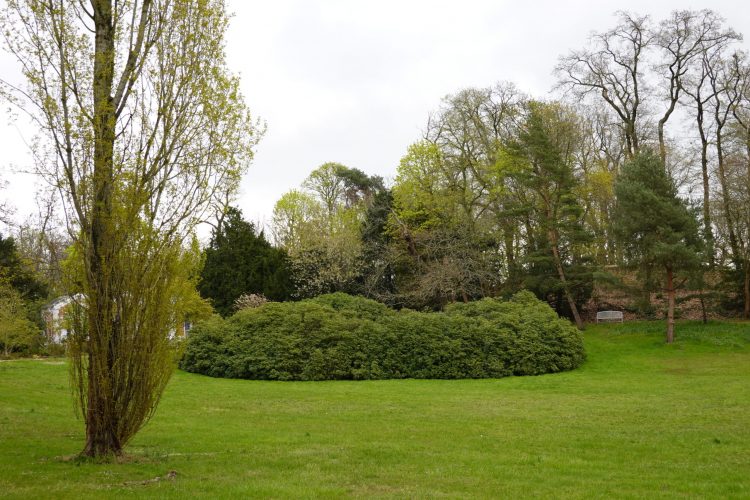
(358, 307)
(338, 336)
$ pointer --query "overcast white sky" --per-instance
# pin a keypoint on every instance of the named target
(353, 81)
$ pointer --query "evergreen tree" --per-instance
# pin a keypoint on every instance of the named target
(542, 161)
(657, 231)
(18, 274)
(239, 260)
(377, 277)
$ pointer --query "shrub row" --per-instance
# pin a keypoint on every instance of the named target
(338, 336)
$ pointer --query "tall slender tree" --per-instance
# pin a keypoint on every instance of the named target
(141, 126)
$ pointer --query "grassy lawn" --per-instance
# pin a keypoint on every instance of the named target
(639, 419)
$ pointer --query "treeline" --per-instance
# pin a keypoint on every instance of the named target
(506, 192)
(640, 165)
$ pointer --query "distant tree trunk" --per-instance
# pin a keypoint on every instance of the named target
(510, 256)
(561, 275)
(704, 315)
(670, 305)
(674, 95)
(707, 230)
(746, 310)
(726, 199)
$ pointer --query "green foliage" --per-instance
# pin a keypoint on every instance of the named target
(539, 341)
(18, 335)
(543, 159)
(239, 260)
(353, 306)
(655, 227)
(320, 228)
(422, 195)
(343, 337)
(376, 278)
(442, 249)
(18, 273)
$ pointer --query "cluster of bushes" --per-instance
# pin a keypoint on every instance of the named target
(339, 336)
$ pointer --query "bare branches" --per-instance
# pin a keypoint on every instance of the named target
(612, 68)
(683, 39)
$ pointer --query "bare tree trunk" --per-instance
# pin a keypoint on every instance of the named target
(662, 144)
(707, 230)
(725, 198)
(674, 93)
(670, 305)
(746, 310)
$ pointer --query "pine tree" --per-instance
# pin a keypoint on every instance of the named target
(658, 232)
(543, 163)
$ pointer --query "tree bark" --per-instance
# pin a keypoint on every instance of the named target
(708, 233)
(101, 410)
(670, 305)
(674, 93)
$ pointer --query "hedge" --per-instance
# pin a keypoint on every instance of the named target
(341, 337)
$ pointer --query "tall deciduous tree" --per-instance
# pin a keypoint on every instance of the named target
(141, 126)
(683, 38)
(42, 241)
(655, 227)
(434, 226)
(740, 174)
(613, 68)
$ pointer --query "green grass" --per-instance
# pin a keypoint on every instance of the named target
(639, 419)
